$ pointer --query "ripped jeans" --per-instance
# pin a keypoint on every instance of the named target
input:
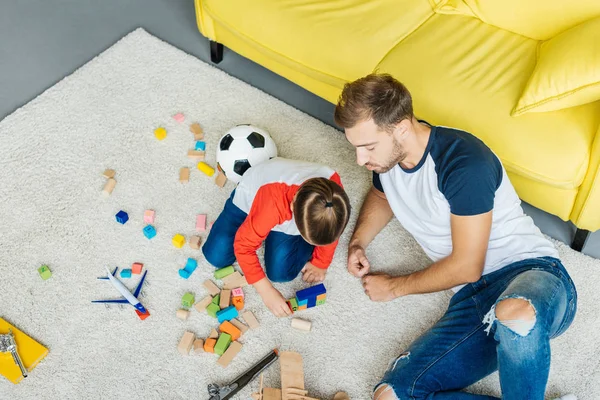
(469, 342)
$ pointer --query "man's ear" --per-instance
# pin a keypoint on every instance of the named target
(402, 129)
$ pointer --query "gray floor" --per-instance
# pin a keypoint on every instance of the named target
(41, 41)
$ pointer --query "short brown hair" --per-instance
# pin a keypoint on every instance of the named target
(321, 211)
(377, 96)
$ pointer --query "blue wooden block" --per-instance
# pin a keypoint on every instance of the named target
(126, 273)
(311, 292)
(184, 273)
(200, 146)
(191, 265)
(122, 217)
(149, 231)
(227, 314)
(302, 302)
(312, 302)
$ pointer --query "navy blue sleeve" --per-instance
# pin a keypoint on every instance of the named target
(377, 182)
(468, 176)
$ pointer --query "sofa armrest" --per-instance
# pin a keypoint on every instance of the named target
(586, 211)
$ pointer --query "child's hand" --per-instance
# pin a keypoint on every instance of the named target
(312, 274)
(272, 298)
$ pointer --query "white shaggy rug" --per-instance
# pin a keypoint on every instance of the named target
(52, 154)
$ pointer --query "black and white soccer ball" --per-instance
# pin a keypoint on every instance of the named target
(242, 147)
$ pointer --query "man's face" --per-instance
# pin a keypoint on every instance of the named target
(376, 149)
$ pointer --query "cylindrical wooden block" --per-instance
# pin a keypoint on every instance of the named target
(183, 314)
(301, 324)
(110, 185)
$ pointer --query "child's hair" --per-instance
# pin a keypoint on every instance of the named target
(321, 211)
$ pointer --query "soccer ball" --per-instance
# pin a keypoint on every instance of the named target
(243, 147)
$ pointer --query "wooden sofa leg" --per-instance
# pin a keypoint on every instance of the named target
(578, 242)
(216, 52)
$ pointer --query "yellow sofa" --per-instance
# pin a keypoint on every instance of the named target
(466, 63)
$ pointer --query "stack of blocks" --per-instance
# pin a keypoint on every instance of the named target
(149, 230)
(308, 298)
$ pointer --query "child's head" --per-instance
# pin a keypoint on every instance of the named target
(321, 210)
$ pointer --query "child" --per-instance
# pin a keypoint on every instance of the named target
(297, 208)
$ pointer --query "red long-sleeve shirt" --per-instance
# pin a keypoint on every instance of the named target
(265, 193)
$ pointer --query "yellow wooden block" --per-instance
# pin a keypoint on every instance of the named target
(160, 133)
(207, 169)
(178, 240)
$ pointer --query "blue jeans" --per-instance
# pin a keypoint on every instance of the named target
(285, 255)
(459, 351)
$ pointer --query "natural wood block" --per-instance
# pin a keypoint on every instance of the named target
(301, 324)
(212, 288)
(234, 280)
(221, 179)
(292, 372)
(202, 304)
(271, 394)
(109, 186)
(196, 129)
(235, 322)
(229, 354)
(250, 320)
(186, 342)
(213, 334)
(195, 242)
(198, 346)
(196, 155)
(183, 314)
(225, 298)
(184, 175)
(341, 396)
(109, 173)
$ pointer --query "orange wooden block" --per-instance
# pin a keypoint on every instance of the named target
(229, 328)
(209, 345)
(302, 307)
(238, 302)
(136, 268)
(322, 296)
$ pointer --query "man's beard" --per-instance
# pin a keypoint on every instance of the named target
(397, 156)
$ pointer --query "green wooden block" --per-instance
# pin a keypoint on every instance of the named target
(187, 300)
(222, 343)
(321, 302)
(293, 304)
(223, 272)
(216, 299)
(44, 272)
(213, 309)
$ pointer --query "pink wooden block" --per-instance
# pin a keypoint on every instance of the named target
(179, 117)
(149, 216)
(201, 222)
(237, 292)
(136, 268)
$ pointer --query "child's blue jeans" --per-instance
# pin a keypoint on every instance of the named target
(285, 255)
(458, 350)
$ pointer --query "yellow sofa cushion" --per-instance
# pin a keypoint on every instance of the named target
(467, 74)
(536, 19)
(341, 39)
(567, 73)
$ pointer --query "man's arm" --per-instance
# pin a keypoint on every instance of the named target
(470, 237)
(374, 215)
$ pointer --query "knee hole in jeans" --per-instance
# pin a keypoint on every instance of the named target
(517, 314)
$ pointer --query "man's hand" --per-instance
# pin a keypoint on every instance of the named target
(272, 298)
(358, 265)
(382, 287)
(312, 274)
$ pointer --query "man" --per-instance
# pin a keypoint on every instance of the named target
(449, 190)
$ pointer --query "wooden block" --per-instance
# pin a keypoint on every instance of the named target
(160, 133)
(186, 342)
(205, 168)
(213, 334)
(136, 268)
(179, 117)
(292, 372)
(256, 396)
(236, 322)
(201, 222)
(250, 320)
(230, 329)
(300, 392)
(238, 302)
(149, 216)
(229, 354)
(212, 288)
(202, 304)
(196, 155)
(341, 396)
(109, 187)
(237, 292)
(196, 129)
(221, 179)
(183, 314)
(222, 343)
(198, 346)
(301, 324)
(209, 345)
(225, 299)
(109, 173)
(271, 394)
(184, 175)
(195, 242)
(234, 280)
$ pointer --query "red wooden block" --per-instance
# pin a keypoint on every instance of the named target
(136, 268)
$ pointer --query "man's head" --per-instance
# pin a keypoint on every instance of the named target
(321, 211)
(377, 115)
